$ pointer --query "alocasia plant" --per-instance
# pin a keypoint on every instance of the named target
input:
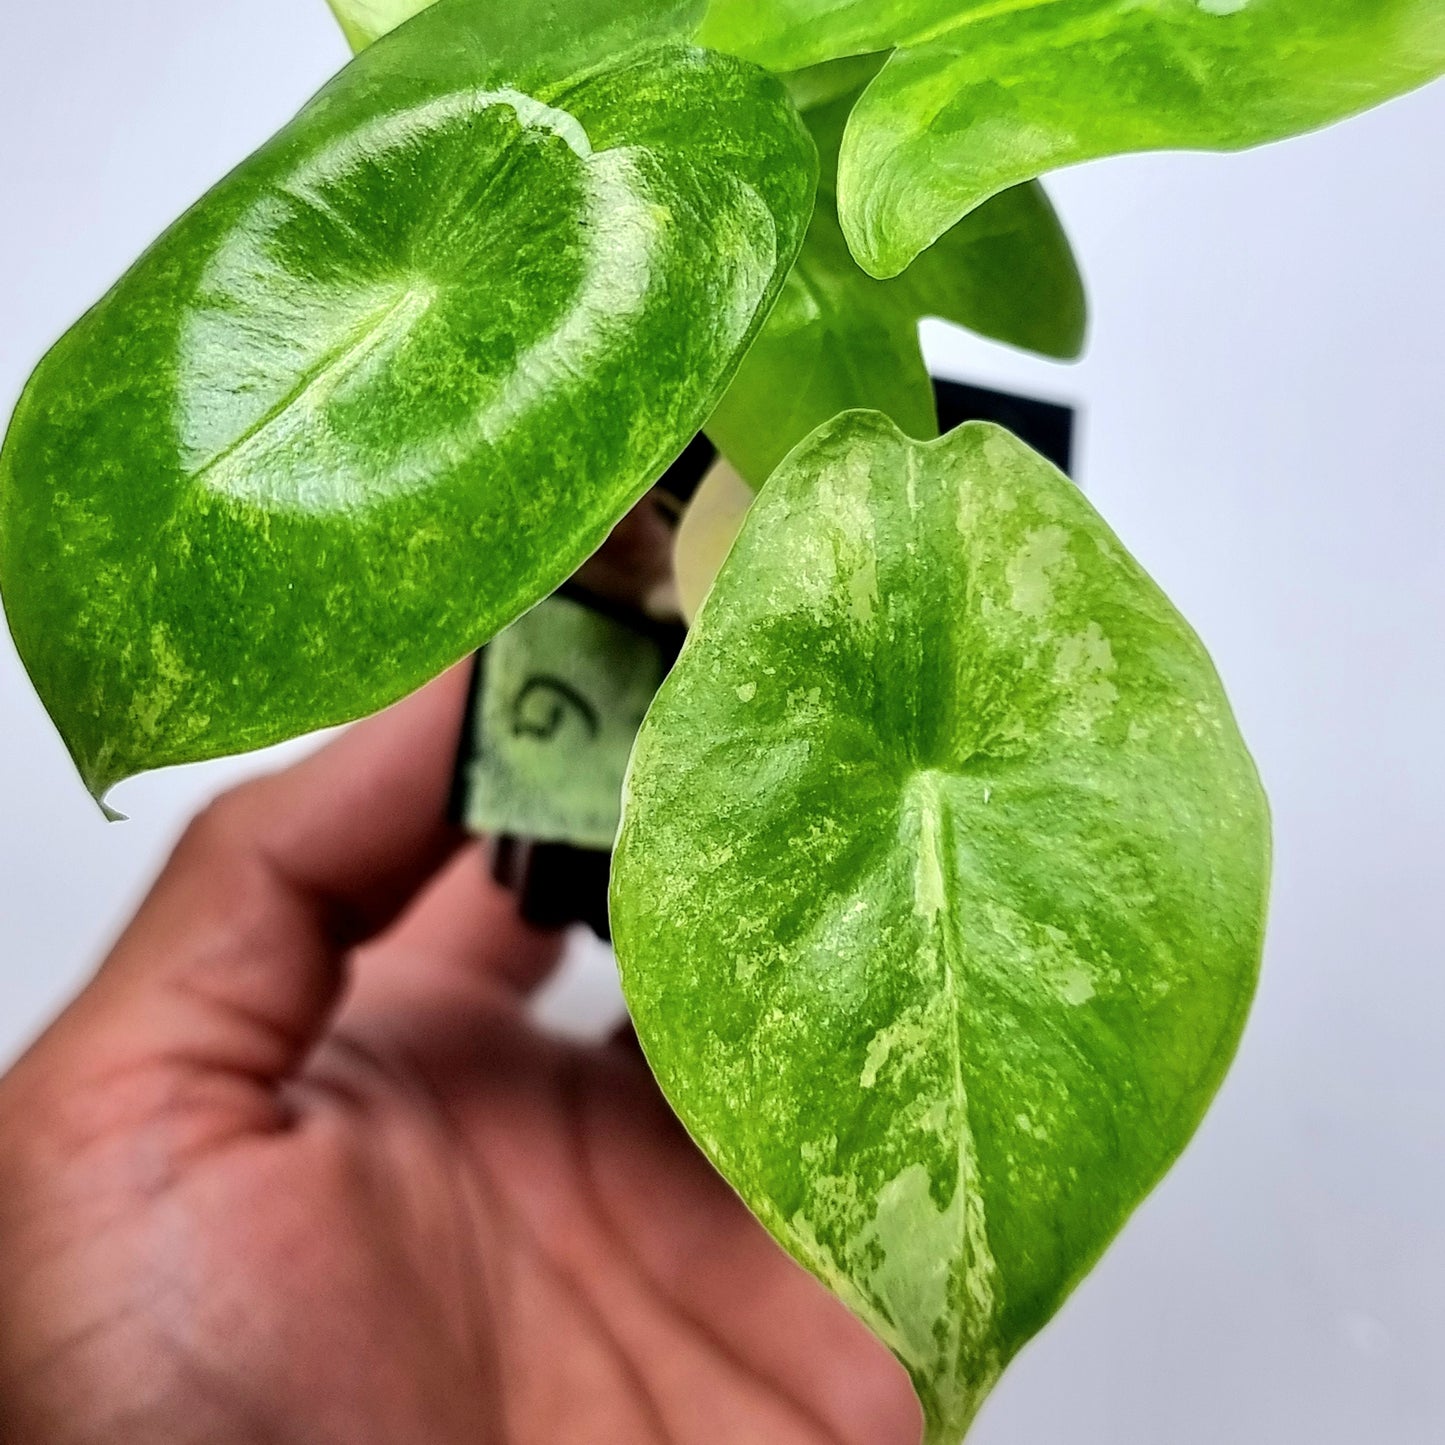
(940, 886)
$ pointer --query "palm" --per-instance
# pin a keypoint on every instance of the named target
(443, 1227)
(473, 1229)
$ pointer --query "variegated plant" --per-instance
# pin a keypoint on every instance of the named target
(940, 888)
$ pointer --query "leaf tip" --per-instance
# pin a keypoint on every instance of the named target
(99, 783)
(111, 815)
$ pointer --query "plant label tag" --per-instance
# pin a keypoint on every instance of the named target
(560, 696)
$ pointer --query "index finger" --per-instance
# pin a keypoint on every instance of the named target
(236, 959)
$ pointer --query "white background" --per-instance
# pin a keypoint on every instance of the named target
(1263, 425)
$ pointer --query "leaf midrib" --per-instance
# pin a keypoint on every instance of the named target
(393, 320)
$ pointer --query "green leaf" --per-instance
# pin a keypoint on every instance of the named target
(577, 32)
(940, 889)
(978, 95)
(363, 21)
(838, 339)
(390, 382)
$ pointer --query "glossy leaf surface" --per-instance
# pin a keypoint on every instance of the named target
(393, 380)
(838, 339)
(940, 888)
(978, 95)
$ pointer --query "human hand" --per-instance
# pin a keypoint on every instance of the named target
(297, 1168)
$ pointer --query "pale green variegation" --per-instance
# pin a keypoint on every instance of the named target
(940, 888)
(392, 380)
(363, 21)
(838, 339)
(579, 33)
(980, 95)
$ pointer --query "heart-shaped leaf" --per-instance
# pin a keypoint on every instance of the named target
(838, 339)
(390, 382)
(940, 888)
(979, 96)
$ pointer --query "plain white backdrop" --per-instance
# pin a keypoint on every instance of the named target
(1263, 424)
